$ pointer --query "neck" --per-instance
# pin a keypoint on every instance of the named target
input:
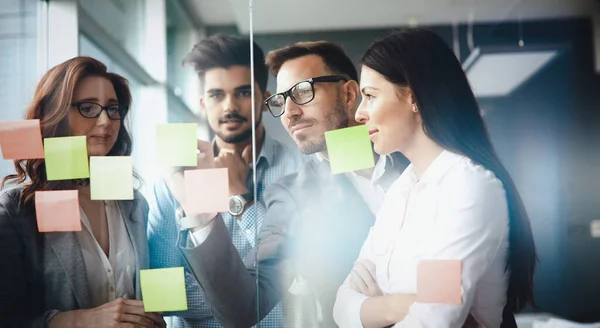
(422, 153)
(240, 146)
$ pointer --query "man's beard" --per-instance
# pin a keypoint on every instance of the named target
(241, 136)
(336, 119)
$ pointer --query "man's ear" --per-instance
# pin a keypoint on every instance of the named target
(202, 106)
(266, 95)
(352, 94)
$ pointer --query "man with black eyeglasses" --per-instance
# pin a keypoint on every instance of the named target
(315, 222)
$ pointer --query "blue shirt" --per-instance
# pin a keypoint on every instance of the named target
(273, 162)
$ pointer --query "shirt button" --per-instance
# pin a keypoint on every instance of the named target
(108, 270)
(111, 289)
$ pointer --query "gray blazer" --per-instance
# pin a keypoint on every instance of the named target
(42, 274)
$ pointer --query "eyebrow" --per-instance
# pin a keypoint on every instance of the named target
(240, 88)
(92, 99)
(367, 87)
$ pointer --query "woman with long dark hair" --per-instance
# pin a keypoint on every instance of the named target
(87, 278)
(456, 201)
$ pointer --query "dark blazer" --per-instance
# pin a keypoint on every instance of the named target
(44, 273)
(315, 225)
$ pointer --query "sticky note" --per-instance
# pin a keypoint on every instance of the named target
(21, 139)
(349, 149)
(163, 290)
(439, 281)
(177, 144)
(206, 191)
(66, 158)
(111, 177)
(57, 210)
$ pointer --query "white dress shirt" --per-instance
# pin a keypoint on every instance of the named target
(457, 210)
(109, 277)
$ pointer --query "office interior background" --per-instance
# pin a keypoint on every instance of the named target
(533, 64)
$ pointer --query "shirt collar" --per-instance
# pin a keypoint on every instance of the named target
(436, 170)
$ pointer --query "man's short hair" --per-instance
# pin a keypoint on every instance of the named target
(334, 57)
(224, 51)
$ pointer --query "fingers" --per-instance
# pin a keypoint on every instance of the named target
(136, 320)
(135, 314)
(364, 274)
(205, 147)
(247, 154)
(359, 282)
(370, 266)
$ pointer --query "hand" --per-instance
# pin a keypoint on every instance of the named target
(174, 178)
(119, 313)
(362, 278)
(237, 168)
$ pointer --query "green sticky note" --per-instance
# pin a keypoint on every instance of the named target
(163, 290)
(111, 177)
(176, 144)
(349, 149)
(66, 158)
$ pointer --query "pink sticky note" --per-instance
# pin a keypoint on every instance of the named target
(57, 210)
(21, 139)
(439, 281)
(206, 191)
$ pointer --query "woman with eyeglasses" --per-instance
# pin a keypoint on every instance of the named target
(455, 208)
(87, 278)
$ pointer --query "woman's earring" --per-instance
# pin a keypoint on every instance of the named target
(414, 108)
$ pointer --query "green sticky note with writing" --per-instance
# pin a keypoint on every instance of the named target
(111, 177)
(163, 290)
(176, 144)
(66, 158)
(349, 149)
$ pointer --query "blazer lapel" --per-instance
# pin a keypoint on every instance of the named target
(132, 217)
(68, 252)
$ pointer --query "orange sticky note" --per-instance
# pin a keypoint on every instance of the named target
(21, 139)
(57, 210)
(206, 191)
(439, 281)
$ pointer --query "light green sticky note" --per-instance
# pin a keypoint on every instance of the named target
(176, 144)
(66, 158)
(349, 149)
(111, 177)
(163, 290)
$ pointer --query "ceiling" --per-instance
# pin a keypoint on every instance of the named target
(288, 16)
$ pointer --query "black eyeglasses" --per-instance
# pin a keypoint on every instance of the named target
(301, 93)
(90, 109)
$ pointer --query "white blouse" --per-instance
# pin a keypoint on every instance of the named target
(457, 211)
(109, 277)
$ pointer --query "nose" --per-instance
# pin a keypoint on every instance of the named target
(361, 115)
(229, 104)
(291, 109)
(103, 119)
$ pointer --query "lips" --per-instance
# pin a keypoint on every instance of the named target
(299, 127)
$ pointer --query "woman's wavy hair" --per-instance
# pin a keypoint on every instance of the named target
(51, 105)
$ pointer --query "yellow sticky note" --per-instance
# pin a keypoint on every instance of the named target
(349, 149)
(66, 158)
(177, 144)
(163, 290)
(57, 210)
(111, 177)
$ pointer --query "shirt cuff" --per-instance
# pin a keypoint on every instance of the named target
(198, 237)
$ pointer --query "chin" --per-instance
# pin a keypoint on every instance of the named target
(379, 149)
